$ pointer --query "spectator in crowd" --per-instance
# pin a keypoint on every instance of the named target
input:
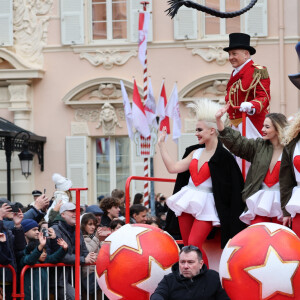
(35, 195)
(111, 209)
(153, 221)
(162, 217)
(138, 198)
(160, 205)
(63, 193)
(35, 253)
(12, 243)
(35, 212)
(97, 211)
(116, 224)
(138, 214)
(99, 198)
(65, 229)
(190, 279)
(120, 194)
(91, 234)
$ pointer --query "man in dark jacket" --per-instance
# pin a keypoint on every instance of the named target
(190, 279)
(66, 230)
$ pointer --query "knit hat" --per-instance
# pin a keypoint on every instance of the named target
(28, 224)
(67, 206)
(61, 183)
(95, 209)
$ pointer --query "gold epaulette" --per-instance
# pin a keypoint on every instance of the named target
(260, 70)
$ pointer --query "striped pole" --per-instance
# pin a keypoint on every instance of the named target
(146, 160)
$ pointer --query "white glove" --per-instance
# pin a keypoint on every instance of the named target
(248, 108)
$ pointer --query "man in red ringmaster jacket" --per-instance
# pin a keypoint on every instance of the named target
(248, 86)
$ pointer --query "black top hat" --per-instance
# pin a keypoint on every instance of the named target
(295, 78)
(239, 40)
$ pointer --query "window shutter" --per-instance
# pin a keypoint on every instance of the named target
(6, 23)
(185, 24)
(72, 22)
(185, 141)
(256, 19)
(76, 158)
(134, 8)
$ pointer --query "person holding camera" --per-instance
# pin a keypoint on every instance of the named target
(36, 253)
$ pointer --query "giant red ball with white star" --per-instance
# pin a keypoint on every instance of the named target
(262, 262)
(133, 260)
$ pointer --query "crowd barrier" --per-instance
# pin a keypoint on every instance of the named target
(52, 291)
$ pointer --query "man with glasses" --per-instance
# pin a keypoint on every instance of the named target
(190, 279)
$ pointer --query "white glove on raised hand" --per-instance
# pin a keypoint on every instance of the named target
(248, 108)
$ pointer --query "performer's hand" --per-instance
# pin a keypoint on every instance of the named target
(248, 108)
(220, 113)
(287, 221)
(162, 136)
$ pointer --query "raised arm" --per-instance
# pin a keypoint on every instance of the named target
(171, 165)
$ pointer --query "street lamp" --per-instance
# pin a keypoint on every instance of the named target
(25, 156)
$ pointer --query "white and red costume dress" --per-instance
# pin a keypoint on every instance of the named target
(293, 206)
(266, 201)
(196, 198)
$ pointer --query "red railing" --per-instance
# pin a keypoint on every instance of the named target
(14, 294)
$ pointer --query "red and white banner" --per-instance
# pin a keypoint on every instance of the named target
(161, 110)
(127, 110)
(138, 114)
(150, 106)
(144, 19)
(172, 110)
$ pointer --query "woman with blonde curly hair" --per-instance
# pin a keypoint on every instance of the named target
(261, 192)
(212, 196)
(290, 176)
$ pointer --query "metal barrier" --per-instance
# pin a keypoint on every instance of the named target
(40, 283)
(14, 294)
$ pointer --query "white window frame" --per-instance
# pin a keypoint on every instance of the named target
(109, 27)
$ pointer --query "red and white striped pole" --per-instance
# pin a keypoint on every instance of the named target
(146, 160)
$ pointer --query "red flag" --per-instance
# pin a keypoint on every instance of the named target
(161, 110)
(138, 114)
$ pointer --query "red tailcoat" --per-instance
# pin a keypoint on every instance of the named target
(251, 84)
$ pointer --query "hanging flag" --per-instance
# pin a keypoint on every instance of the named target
(172, 110)
(127, 110)
(144, 18)
(138, 114)
(150, 106)
(161, 110)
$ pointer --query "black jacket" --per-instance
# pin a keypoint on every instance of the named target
(204, 286)
(227, 184)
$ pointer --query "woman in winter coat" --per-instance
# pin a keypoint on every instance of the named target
(212, 196)
(261, 192)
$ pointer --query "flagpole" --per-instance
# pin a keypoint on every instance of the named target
(146, 160)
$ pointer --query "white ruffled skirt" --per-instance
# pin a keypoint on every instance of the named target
(293, 206)
(265, 202)
(197, 201)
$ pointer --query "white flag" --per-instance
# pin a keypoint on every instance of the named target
(144, 18)
(127, 110)
(172, 110)
(138, 114)
(150, 106)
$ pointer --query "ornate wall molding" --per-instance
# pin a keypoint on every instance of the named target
(108, 119)
(31, 30)
(108, 58)
(212, 53)
(87, 115)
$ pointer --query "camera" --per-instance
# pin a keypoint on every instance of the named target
(15, 207)
(45, 232)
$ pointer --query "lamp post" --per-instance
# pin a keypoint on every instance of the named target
(25, 156)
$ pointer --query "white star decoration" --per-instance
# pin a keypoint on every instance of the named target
(273, 227)
(275, 275)
(103, 284)
(225, 258)
(126, 236)
(156, 275)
